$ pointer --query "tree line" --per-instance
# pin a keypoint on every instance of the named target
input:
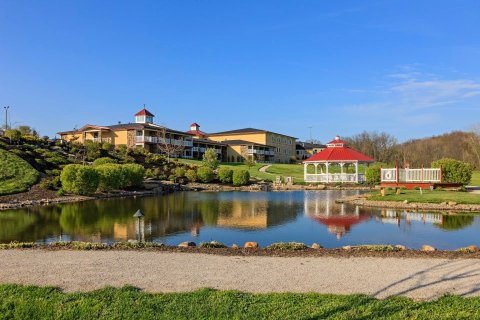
(385, 148)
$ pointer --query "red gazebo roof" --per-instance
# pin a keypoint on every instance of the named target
(144, 112)
(337, 151)
(341, 221)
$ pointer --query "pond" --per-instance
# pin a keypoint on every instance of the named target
(237, 217)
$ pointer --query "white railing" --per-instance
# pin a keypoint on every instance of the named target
(334, 177)
(411, 175)
(101, 140)
(152, 139)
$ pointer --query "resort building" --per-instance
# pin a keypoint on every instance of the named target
(305, 149)
(258, 145)
(231, 146)
(146, 134)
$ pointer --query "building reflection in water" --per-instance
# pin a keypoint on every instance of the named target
(395, 217)
(338, 218)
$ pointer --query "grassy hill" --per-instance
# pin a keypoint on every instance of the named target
(16, 175)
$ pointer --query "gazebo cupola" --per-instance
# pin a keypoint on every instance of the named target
(144, 116)
(336, 163)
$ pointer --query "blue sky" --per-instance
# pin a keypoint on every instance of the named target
(410, 68)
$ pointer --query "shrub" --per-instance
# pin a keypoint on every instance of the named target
(79, 179)
(60, 192)
(107, 146)
(92, 150)
(205, 174)
(210, 159)
(152, 173)
(225, 175)
(111, 177)
(51, 184)
(212, 244)
(240, 177)
(179, 172)
(372, 174)
(454, 171)
(287, 246)
(191, 175)
(102, 161)
(132, 175)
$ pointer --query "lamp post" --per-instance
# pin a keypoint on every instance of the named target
(6, 116)
(141, 227)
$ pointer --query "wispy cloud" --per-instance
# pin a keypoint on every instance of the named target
(414, 98)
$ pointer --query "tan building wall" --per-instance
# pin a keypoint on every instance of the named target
(285, 147)
(260, 138)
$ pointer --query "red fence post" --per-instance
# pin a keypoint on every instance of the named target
(398, 178)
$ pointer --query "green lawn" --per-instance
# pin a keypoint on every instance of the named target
(436, 196)
(16, 175)
(27, 302)
(475, 179)
(22, 302)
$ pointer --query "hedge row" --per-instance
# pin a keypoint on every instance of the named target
(85, 180)
(225, 175)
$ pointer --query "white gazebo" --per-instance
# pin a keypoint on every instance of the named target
(334, 164)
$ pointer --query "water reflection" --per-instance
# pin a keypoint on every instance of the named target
(339, 218)
(266, 217)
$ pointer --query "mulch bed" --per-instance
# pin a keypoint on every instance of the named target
(35, 193)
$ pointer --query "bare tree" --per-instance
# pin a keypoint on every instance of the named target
(167, 146)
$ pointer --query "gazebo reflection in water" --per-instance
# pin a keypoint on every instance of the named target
(339, 218)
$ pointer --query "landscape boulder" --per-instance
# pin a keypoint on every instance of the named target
(427, 248)
(251, 245)
(316, 246)
(187, 244)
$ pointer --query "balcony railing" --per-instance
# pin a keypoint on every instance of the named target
(258, 151)
(334, 177)
(100, 140)
(175, 142)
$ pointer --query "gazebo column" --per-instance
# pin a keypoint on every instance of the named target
(316, 168)
(356, 172)
(326, 168)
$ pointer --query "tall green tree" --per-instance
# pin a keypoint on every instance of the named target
(210, 159)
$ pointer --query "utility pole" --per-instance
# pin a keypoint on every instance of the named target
(6, 116)
(310, 132)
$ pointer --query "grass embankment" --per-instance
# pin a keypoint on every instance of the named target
(254, 171)
(475, 179)
(24, 302)
(427, 196)
(16, 175)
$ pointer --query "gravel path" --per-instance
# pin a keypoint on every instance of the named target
(264, 168)
(417, 278)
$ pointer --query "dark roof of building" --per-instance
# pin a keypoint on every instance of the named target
(198, 133)
(307, 145)
(206, 141)
(243, 142)
(244, 131)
